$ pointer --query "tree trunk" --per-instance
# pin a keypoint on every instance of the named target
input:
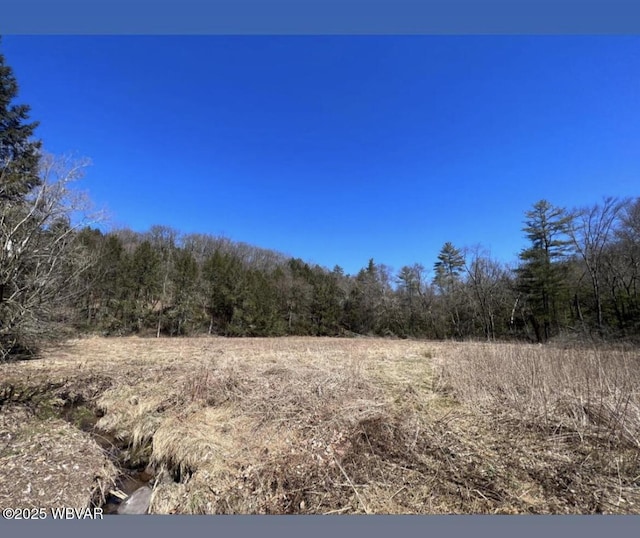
(536, 328)
(579, 312)
(596, 293)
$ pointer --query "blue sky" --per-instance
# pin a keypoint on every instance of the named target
(340, 149)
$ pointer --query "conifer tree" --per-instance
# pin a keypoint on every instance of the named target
(19, 152)
(541, 273)
(448, 269)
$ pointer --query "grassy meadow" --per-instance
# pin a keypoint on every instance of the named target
(307, 425)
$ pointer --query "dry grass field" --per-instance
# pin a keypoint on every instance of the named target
(325, 426)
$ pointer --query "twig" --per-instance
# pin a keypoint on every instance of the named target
(119, 494)
(364, 507)
(402, 488)
(481, 494)
(338, 511)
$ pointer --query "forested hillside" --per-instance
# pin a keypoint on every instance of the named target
(578, 275)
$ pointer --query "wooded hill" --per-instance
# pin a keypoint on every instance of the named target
(579, 275)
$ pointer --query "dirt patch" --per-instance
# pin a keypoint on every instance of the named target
(48, 463)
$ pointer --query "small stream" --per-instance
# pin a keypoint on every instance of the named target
(128, 482)
(135, 477)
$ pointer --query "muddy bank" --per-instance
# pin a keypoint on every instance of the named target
(133, 486)
(52, 452)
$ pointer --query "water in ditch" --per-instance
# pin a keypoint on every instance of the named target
(135, 476)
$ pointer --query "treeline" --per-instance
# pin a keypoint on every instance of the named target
(578, 275)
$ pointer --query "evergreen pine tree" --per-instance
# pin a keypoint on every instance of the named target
(447, 278)
(448, 268)
(541, 274)
(19, 153)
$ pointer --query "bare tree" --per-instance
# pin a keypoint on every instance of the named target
(622, 269)
(40, 258)
(591, 232)
(486, 284)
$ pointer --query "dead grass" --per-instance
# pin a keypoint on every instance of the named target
(582, 405)
(332, 426)
(49, 463)
(586, 391)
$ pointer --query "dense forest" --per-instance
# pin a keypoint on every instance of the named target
(577, 275)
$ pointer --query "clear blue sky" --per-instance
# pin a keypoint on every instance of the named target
(340, 149)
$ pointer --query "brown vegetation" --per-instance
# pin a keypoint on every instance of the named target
(328, 426)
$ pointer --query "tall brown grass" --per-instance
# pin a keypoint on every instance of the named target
(566, 391)
(333, 426)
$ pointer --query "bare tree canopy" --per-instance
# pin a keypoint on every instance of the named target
(40, 258)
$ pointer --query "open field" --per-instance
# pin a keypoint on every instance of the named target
(325, 426)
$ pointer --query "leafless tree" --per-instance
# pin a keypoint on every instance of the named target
(486, 289)
(591, 232)
(40, 258)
